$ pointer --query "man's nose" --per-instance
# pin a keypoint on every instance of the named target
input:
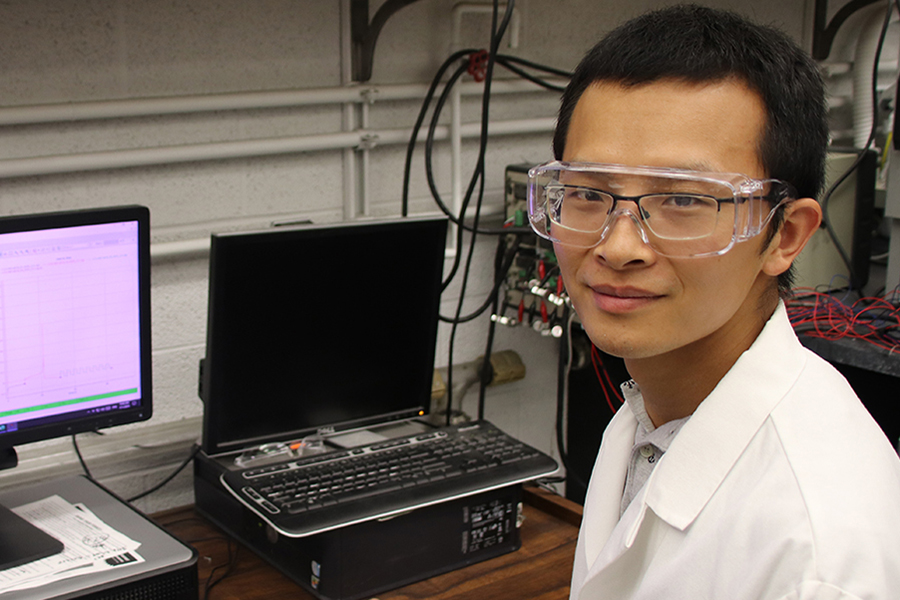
(624, 239)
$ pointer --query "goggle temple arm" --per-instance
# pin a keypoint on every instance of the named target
(537, 213)
(761, 198)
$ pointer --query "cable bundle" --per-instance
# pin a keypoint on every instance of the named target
(823, 315)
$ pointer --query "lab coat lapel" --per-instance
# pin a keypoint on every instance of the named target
(614, 574)
(601, 514)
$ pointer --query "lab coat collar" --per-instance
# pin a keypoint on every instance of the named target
(718, 432)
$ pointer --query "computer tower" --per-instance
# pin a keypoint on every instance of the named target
(169, 569)
(358, 561)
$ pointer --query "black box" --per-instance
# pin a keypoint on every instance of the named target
(357, 561)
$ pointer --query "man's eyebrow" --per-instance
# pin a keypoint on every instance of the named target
(690, 165)
(697, 166)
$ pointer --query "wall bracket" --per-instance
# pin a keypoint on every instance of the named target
(364, 34)
(824, 32)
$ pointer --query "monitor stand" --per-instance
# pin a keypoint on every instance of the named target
(20, 541)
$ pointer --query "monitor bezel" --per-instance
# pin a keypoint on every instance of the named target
(213, 442)
(95, 216)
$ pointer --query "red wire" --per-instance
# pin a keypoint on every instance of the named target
(597, 362)
(824, 316)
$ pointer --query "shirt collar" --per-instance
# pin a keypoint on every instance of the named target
(646, 432)
(635, 401)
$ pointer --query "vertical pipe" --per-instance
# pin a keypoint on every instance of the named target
(866, 46)
(348, 117)
(365, 163)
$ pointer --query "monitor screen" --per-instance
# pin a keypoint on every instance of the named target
(74, 322)
(320, 329)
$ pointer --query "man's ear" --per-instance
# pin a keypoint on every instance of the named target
(801, 219)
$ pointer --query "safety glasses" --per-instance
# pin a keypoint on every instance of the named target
(679, 213)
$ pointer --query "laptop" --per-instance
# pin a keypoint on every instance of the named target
(320, 350)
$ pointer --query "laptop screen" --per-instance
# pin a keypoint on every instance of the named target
(320, 329)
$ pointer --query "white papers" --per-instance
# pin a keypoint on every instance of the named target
(90, 545)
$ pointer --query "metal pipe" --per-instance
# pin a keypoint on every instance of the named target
(349, 122)
(144, 107)
(365, 165)
(140, 157)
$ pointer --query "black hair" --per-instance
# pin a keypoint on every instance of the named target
(698, 44)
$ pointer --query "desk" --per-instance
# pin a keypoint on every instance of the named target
(540, 570)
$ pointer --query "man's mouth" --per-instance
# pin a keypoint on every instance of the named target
(623, 299)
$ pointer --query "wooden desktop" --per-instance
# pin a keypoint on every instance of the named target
(540, 570)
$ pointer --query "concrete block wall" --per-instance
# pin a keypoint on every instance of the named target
(57, 51)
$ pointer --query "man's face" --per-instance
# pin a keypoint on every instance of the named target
(633, 302)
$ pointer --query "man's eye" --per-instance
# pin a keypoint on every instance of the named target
(585, 194)
(683, 201)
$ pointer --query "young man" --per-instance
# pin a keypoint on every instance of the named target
(690, 146)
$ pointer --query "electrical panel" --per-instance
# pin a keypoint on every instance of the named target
(533, 294)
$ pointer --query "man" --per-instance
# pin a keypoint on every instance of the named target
(743, 467)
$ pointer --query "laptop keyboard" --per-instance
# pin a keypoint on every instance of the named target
(320, 492)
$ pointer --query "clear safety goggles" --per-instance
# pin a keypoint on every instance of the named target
(678, 213)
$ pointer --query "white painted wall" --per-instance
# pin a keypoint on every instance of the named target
(58, 51)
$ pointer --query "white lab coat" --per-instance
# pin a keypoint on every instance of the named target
(779, 487)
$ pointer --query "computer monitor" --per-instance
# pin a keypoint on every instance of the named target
(320, 328)
(74, 330)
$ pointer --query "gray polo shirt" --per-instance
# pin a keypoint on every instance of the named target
(650, 443)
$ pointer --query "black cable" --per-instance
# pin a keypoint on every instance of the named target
(442, 99)
(561, 386)
(502, 262)
(422, 112)
(458, 220)
(538, 66)
(478, 175)
(435, 82)
(429, 169)
(462, 296)
(194, 450)
(510, 63)
(525, 75)
(429, 152)
(429, 143)
(429, 146)
(491, 295)
(232, 560)
(487, 370)
(81, 458)
(859, 157)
